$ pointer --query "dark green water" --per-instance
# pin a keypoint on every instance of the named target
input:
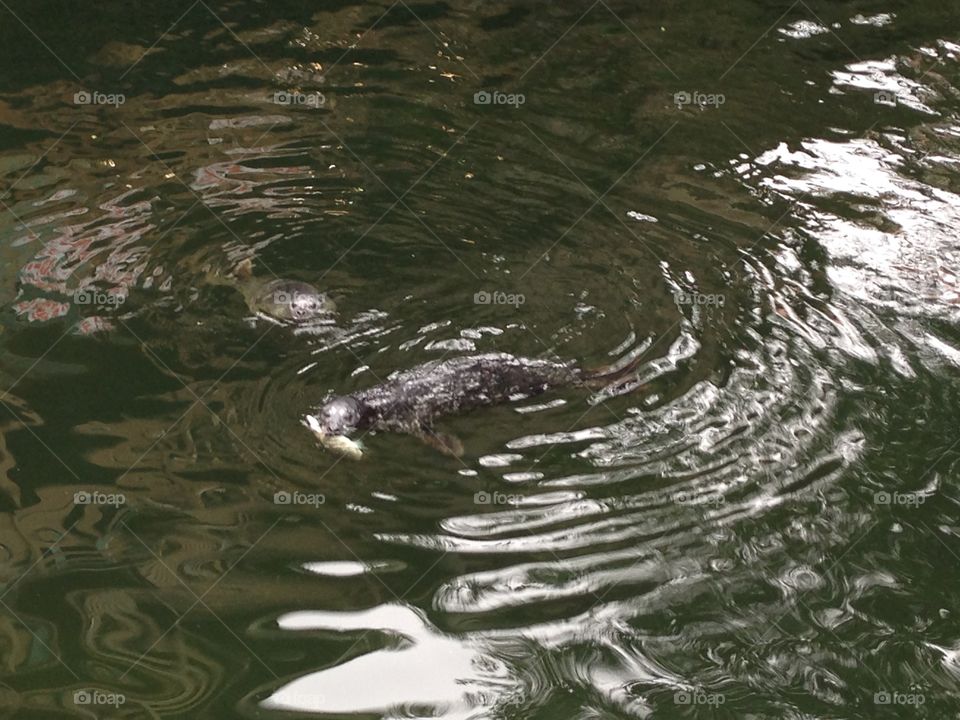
(758, 201)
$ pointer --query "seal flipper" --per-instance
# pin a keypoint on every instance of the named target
(443, 442)
(244, 269)
(608, 376)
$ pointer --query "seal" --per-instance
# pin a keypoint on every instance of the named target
(279, 299)
(410, 401)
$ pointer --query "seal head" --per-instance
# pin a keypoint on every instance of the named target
(340, 416)
(293, 301)
(333, 424)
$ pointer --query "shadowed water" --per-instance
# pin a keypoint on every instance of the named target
(753, 206)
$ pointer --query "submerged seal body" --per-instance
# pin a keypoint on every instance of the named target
(277, 298)
(410, 401)
(289, 300)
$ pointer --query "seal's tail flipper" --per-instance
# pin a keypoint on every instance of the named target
(443, 442)
(613, 374)
(244, 269)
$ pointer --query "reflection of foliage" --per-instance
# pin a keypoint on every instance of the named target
(41, 309)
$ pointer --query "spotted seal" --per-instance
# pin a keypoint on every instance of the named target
(279, 299)
(411, 401)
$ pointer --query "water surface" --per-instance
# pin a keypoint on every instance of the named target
(756, 203)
